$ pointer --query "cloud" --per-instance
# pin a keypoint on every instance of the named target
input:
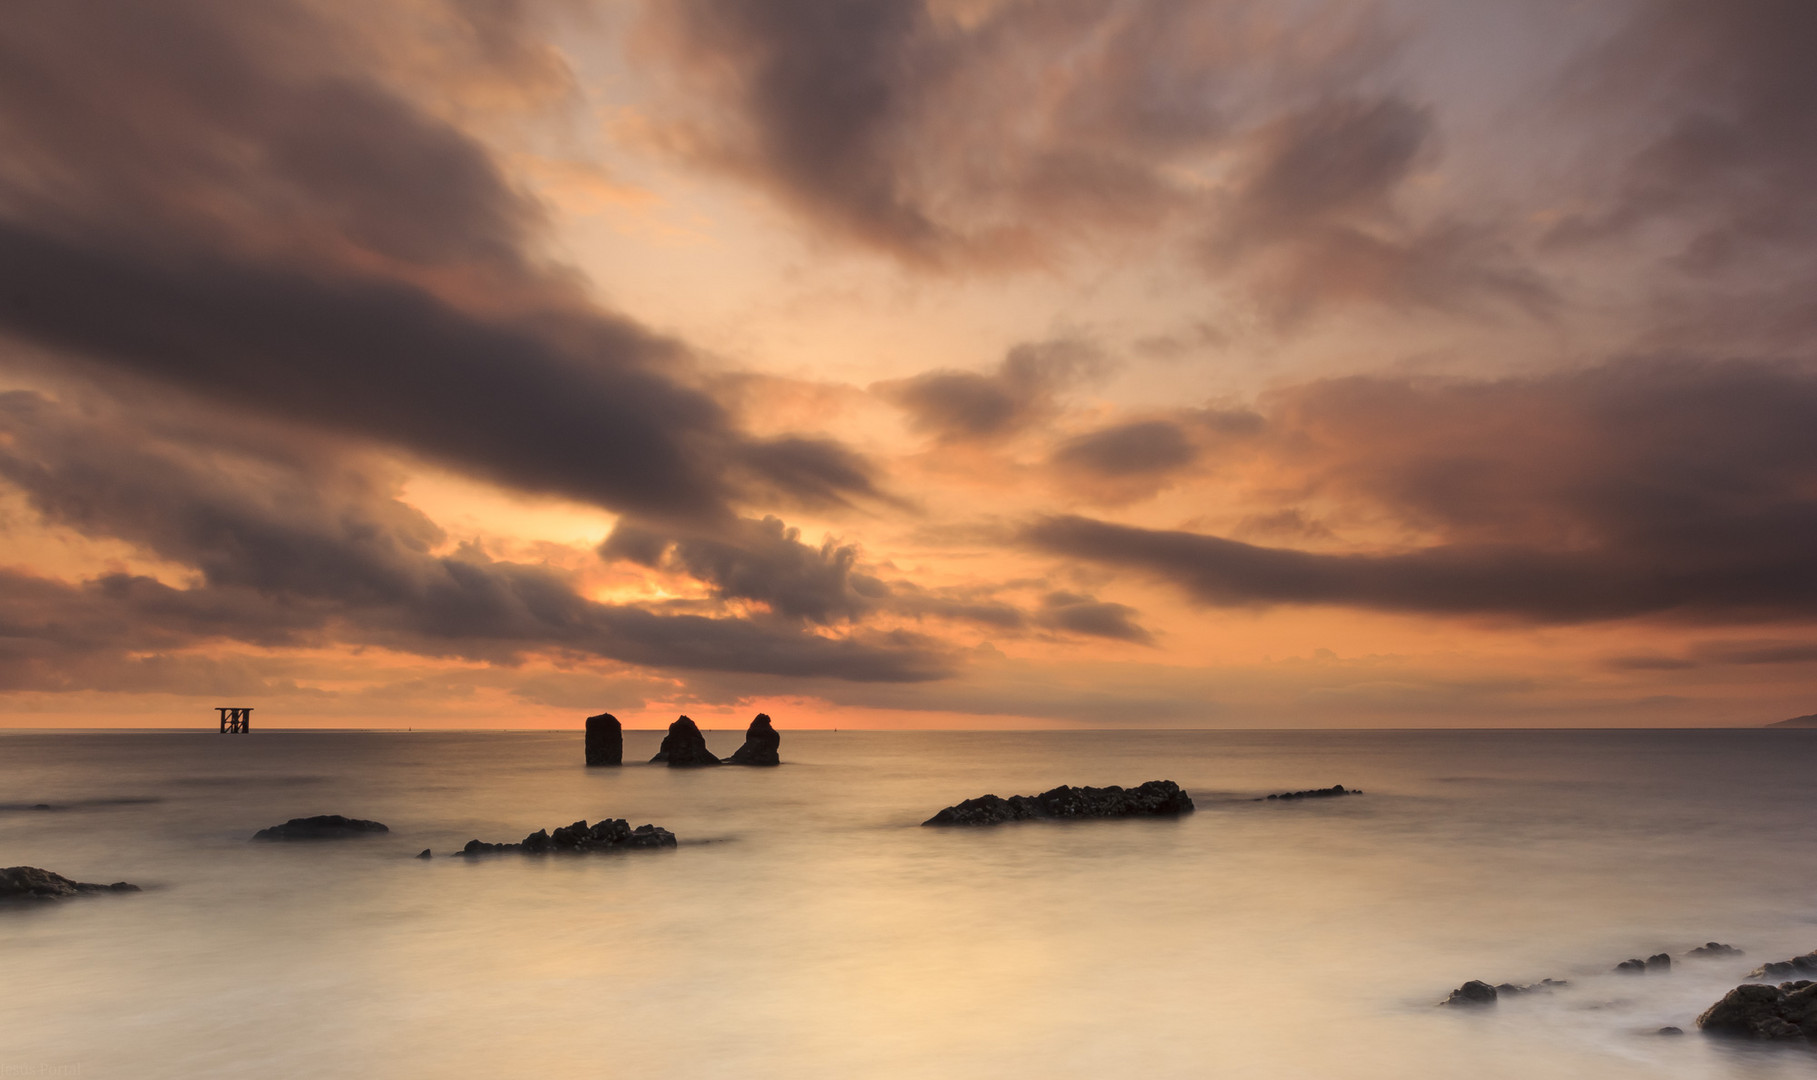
(1092, 617)
(1138, 448)
(960, 406)
(231, 200)
(764, 561)
(1638, 487)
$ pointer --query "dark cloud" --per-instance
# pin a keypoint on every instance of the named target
(1140, 448)
(296, 546)
(220, 197)
(956, 406)
(764, 561)
(1092, 617)
(1641, 487)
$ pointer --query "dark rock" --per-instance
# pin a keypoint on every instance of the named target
(1669, 1030)
(1474, 992)
(684, 746)
(605, 740)
(1157, 797)
(1544, 986)
(1632, 967)
(580, 838)
(1779, 969)
(323, 827)
(43, 806)
(424, 854)
(1753, 1010)
(1315, 793)
(1659, 962)
(1716, 949)
(31, 883)
(761, 744)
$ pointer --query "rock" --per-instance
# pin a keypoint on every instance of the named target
(1474, 992)
(424, 854)
(1670, 1030)
(1754, 1010)
(605, 740)
(1659, 962)
(684, 746)
(761, 743)
(1779, 969)
(580, 838)
(1716, 949)
(1632, 967)
(1157, 797)
(1315, 793)
(1544, 986)
(31, 883)
(324, 827)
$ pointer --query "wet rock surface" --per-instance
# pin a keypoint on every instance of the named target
(684, 747)
(1715, 950)
(1658, 963)
(31, 884)
(762, 744)
(1314, 793)
(1760, 1011)
(605, 740)
(1155, 798)
(321, 827)
(1779, 969)
(614, 834)
(1477, 992)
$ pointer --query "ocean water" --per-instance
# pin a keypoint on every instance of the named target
(807, 927)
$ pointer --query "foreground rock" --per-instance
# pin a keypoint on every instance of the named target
(579, 838)
(762, 744)
(1756, 1011)
(1716, 950)
(1779, 969)
(1315, 793)
(684, 747)
(1156, 798)
(1476, 992)
(1657, 963)
(323, 827)
(605, 740)
(31, 883)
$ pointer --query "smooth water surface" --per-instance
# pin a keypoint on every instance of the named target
(807, 927)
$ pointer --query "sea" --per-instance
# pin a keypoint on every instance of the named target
(808, 926)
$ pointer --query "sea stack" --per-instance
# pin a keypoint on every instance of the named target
(684, 746)
(761, 744)
(605, 740)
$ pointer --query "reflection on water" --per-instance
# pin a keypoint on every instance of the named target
(808, 928)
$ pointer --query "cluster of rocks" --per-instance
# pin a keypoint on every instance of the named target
(1657, 963)
(321, 827)
(579, 838)
(1477, 992)
(684, 746)
(1315, 793)
(32, 883)
(1155, 798)
(1779, 969)
(1759, 1011)
(1716, 950)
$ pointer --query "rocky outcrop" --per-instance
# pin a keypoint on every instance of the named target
(1779, 969)
(1658, 963)
(605, 740)
(1716, 950)
(323, 827)
(31, 883)
(1157, 798)
(762, 744)
(1315, 793)
(580, 838)
(1758, 1011)
(1476, 992)
(684, 747)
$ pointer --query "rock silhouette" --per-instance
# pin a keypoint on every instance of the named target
(1156, 798)
(1657, 963)
(1477, 992)
(1778, 969)
(1716, 949)
(1315, 793)
(605, 740)
(323, 827)
(614, 834)
(684, 746)
(1758, 1011)
(31, 883)
(762, 744)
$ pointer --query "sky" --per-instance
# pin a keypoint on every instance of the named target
(908, 363)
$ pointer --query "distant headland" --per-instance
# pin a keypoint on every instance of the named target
(1797, 721)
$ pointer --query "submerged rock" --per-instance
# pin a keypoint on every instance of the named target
(761, 744)
(1315, 793)
(684, 746)
(424, 854)
(1670, 1030)
(1779, 969)
(1716, 949)
(580, 838)
(1658, 962)
(31, 883)
(605, 740)
(322, 827)
(1757, 1011)
(1474, 992)
(1544, 986)
(1157, 797)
